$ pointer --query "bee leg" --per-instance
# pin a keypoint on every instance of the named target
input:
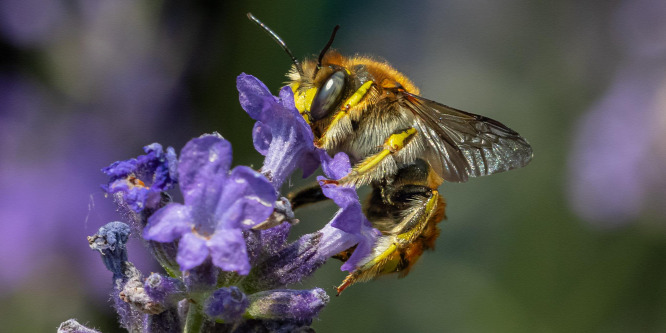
(306, 196)
(409, 227)
(341, 123)
(392, 145)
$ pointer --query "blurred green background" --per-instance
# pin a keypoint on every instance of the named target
(532, 250)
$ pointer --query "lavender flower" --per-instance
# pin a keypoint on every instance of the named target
(229, 236)
(141, 180)
(219, 204)
(280, 133)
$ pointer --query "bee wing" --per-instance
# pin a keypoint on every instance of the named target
(462, 144)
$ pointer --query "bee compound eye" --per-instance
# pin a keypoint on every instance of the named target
(328, 96)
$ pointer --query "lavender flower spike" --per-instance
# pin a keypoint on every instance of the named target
(219, 204)
(280, 133)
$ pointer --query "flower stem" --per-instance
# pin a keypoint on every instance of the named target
(195, 318)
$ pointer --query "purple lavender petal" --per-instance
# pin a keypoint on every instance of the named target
(169, 223)
(229, 252)
(153, 173)
(366, 241)
(287, 101)
(291, 139)
(226, 304)
(350, 216)
(166, 173)
(261, 137)
(248, 199)
(254, 96)
(192, 251)
(202, 160)
(334, 167)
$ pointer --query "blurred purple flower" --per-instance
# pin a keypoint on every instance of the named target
(639, 27)
(142, 179)
(219, 204)
(31, 22)
(57, 127)
(618, 153)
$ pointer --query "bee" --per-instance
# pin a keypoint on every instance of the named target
(403, 145)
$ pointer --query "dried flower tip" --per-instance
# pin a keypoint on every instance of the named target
(134, 293)
(110, 241)
(73, 326)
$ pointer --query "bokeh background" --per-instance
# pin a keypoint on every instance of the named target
(575, 242)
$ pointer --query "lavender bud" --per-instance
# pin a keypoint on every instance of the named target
(164, 290)
(287, 304)
(226, 304)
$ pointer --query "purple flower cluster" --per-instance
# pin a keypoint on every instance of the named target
(618, 153)
(225, 251)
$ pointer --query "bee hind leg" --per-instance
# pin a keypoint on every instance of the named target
(407, 216)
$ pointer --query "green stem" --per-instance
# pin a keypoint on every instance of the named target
(195, 319)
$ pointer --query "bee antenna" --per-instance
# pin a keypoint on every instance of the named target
(325, 49)
(279, 40)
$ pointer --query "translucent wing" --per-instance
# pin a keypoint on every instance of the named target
(462, 144)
